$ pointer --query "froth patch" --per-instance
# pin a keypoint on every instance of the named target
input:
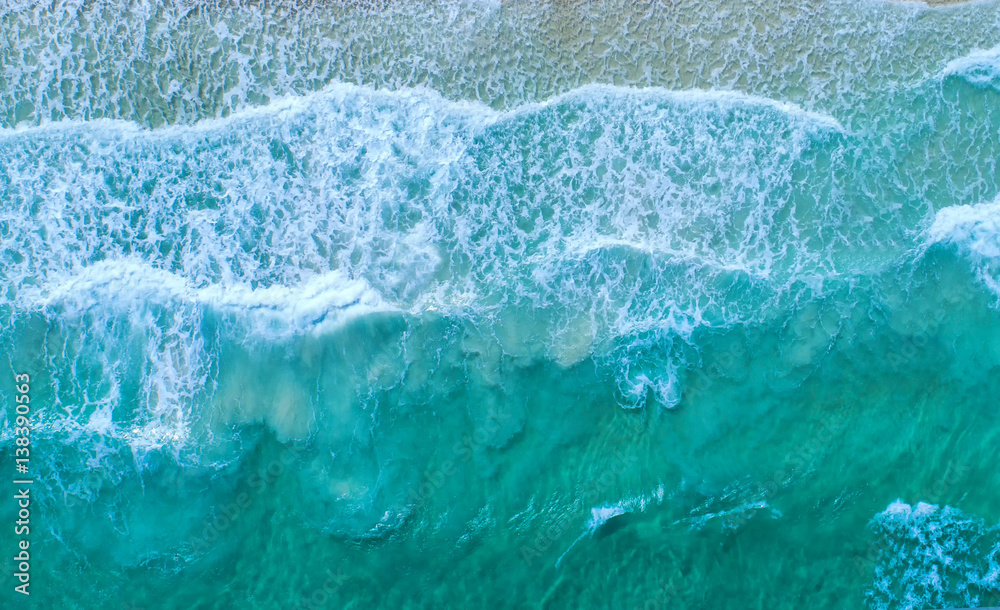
(326, 301)
(975, 231)
(980, 68)
(974, 228)
(932, 556)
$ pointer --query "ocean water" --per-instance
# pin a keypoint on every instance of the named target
(542, 304)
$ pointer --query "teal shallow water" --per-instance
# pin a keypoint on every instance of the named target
(526, 306)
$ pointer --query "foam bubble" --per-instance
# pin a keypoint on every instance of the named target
(974, 228)
(980, 67)
(932, 556)
(975, 231)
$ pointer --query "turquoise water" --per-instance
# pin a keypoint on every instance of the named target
(534, 305)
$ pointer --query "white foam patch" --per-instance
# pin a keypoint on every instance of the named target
(975, 231)
(600, 515)
(974, 228)
(980, 67)
(929, 556)
(89, 411)
(637, 387)
(319, 304)
(312, 184)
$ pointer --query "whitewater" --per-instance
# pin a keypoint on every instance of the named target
(466, 304)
